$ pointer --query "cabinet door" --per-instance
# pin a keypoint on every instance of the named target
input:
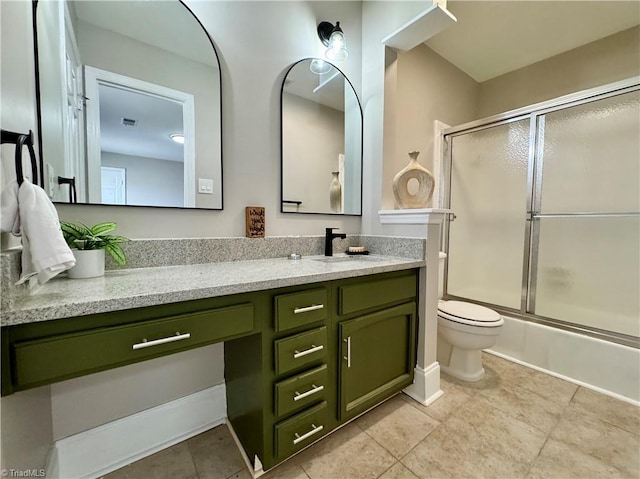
(377, 357)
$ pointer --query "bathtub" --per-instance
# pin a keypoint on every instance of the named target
(603, 366)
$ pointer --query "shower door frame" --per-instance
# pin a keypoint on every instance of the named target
(535, 114)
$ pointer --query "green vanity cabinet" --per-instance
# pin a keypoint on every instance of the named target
(281, 384)
(294, 383)
(299, 361)
(35, 354)
(377, 358)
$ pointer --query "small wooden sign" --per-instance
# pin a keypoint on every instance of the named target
(254, 221)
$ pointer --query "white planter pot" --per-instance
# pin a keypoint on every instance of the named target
(89, 263)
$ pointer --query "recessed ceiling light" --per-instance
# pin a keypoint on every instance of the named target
(177, 137)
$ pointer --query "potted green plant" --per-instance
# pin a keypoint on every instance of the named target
(89, 244)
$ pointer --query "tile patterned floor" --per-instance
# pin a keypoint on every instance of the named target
(515, 423)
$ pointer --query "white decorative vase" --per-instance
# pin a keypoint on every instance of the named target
(335, 193)
(89, 263)
(426, 184)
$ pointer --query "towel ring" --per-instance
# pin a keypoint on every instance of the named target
(20, 140)
(73, 195)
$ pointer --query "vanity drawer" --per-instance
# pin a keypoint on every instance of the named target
(64, 356)
(372, 294)
(297, 309)
(300, 430)
(301, 391)
(300, 350)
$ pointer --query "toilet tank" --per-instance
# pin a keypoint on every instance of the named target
(441, 258)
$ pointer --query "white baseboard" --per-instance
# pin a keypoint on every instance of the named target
(426, 384)
(254, 466)
(98, 451)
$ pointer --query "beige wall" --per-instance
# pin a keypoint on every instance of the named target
(313, 138)
(379, 19)
(26, 433)
(604, 61)
(427, 88)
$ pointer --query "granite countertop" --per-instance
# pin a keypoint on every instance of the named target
(132, 288)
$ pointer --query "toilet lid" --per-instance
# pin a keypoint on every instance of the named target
(460, 310)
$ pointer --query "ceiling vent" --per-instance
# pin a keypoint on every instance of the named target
(129, 122)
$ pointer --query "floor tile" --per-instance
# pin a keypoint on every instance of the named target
(397, 426)
(443, 454)
(454, 396)
(507, 371)
(611, 410)
(558, 460)
(549, 387)
(478, 440)
(514, 423)
(504, 445)
(171, 463)
(288, 470)
(398, 471)
(244, 474)
(215, 454)
(347, 453)
(525, 406)
(602, 440)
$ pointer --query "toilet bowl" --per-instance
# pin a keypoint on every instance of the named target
(464, 330)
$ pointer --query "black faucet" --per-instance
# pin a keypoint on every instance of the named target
(329, 235)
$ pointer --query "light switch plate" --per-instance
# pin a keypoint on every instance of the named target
(51, 181)
(205, 186)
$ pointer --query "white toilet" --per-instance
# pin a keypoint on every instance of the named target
(464, 330)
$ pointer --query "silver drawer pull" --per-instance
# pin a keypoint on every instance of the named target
(156, 342)
(314, 389)
(308, 308)
(315, 430)
(298, 354)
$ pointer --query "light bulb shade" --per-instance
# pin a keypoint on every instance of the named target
(333, 38)
(177, 137)
(319, 66)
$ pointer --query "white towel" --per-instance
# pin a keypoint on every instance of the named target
(9, 219)
(44, 250)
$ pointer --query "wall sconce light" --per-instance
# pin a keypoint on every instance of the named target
(333, 38)
(319, 66)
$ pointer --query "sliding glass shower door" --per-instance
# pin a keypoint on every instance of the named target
(586, 215)
(547, 212)
(488, 197)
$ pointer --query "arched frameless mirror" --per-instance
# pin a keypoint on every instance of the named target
(119, 84)
(321, 129)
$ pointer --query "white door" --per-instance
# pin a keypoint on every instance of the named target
(74, 112)
(114, 185)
